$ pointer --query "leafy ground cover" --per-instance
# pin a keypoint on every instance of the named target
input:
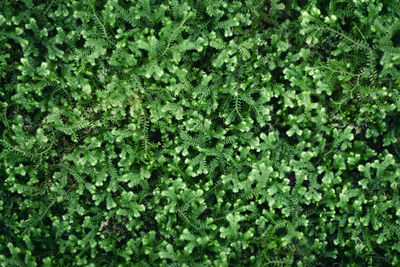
(199, 133)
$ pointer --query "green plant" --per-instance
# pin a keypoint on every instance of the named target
(199, 133)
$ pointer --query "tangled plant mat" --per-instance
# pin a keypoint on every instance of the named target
(199, 133)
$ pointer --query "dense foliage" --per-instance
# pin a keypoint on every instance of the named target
(199, 133)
